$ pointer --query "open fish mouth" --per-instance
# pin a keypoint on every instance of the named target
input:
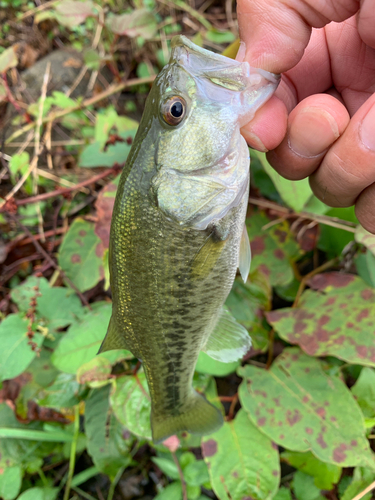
(252, 86)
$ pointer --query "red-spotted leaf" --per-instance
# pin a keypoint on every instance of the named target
(104, 207)
(243, 463)
(80, 255)
(336, 319)
(367, 239)
(301, 408)
(273, 249)
(71, 13)
(140, 22)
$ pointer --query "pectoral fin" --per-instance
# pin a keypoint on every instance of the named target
(113, 339)
(245, 255)
(229, 340)
(205, 260)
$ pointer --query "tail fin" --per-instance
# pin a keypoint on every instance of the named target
(201, 418)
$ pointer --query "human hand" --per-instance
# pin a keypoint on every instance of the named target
(321, 122)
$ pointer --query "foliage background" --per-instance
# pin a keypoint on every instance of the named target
(300, 407)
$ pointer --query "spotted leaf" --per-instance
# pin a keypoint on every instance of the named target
(243, 463)
(337, 318)
(301, 408)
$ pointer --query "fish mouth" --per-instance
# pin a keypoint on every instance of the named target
(221, 70)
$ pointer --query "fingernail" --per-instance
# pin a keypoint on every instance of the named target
(241, 52)
(254, 141)
(367, 129)
(312, 131)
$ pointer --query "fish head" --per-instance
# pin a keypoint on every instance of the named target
(202, 100)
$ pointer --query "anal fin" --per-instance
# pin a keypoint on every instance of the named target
(245, 255)
(229, 341)
(113, 339)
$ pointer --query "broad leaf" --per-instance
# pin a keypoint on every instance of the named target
(301, 408)
(16, 353)
(131, 404)
(10, 482)
(336, 320)
(242, 462)
(206, 364)
(108, 442)
(325, 475)
(56, 307)
(140, 22)
(39, 493)
(273, 249)
(294, 193)
(8, 59)
(71, 13)
(304, 487)
(82, 341)
(80, 255)
(364, 392)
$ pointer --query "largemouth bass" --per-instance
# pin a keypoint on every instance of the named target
(178, 233)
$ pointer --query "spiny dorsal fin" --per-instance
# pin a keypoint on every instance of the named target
(245, 255)
(229, 340)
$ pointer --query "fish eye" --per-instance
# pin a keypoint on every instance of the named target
(173, 110)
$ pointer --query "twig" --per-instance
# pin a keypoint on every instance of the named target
(369, 488)
(57, 179)
(322, 219)
(73, 450)
(57, 192)
(44, 6)
(55, 115)
(181, 474)
(41, 250)
(305, 279)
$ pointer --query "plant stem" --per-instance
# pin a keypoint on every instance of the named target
(181, 474)
(73, 449)
(117, 478)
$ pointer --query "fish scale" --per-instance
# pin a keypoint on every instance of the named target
(176, 232)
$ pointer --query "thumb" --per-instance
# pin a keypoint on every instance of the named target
(276, 32)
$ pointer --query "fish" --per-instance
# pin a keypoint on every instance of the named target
(178, 230)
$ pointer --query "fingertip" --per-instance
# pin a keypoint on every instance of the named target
(267, 129)
(364, 208)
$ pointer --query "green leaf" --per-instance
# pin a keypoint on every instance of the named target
(325, 475)
(333, 240)
(80, 255)
(82, 341)
(247, 302)
(304, 487)
(131, 405)
(8, 59)
(365, 238)
(139, 23)
(365, 264)
(16, 354)
(93, 156)
(206, 364)
(361, 479)
(196, 473)
(71, 13)
(242, 462)
(10, 482)
(364, 392)
(172, 492)
(108, 443)
(92, 59)
(61, 394)
(218, 36)
(167, 466)
(273, 249)
(301, 408)
(294, 193)
(56, 307)
(39, 494)
(336, 320)
(283, 494)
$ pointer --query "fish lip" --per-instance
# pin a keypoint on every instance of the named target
(182, 48)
